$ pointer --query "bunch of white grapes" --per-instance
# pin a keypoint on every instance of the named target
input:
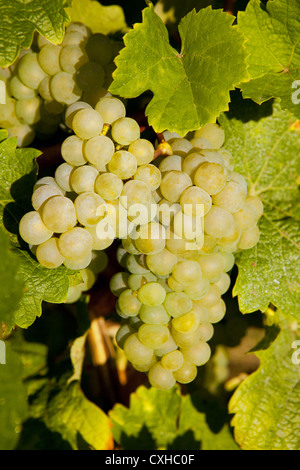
(47, 78)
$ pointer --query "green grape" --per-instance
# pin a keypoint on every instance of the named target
(28, 111)
(184, 340)
(135, 281)
(154, 315)
(64, 89)
(73, 38)
(256, 202)
(144, 367)
(213, 133)
(72, 151)
(99, 49)
(171, 163)
(200, 311)
(218, 222)
(99, 151)
(83, 178)
(89, 208)
(123, 164)
(237, 178)
(90, 76)
(150, 175)
(229, 261)
(88, 278)
(72, 58)
(128, 245)
(216, 312)
(74, 294)
(198, 354)
(195, 201)
(187, 226)
(199, 143)
(93, 96)
(151, 294)
(123, 333)
(143, 151)
(108, 186)
(246, 217)
(173, 184)
(44, 89)
(211, 177)
(48, 58)
(177, 304)
(172, 360)
(78, 264)
(63, 176)
(167, 347)
(187, 272)
(135, 192)
(58, 214)
(125, 130)
(33, 230)
(18, 90)
(211, 298)
(128, 303)
(181, 146)
(87, 123)
(111, 109)
(153, 336)
(100, 241)
(99, 262)
(47, 180)
(223, 283)
(212, 265)
(175, 285)
(80, 28)
(231, 197)
(24, 134)
(161, 378)
(227, 159)
(206, 331)
(136, 352)
(150, 238)
(197, 290)
(135, 264)
(162, 263)
(42, 194)
(187, 323)
(75, 244)
(29, 70)
(72, 110)
(230, 241)
(191, 162)
(186, 374)
(249, 238)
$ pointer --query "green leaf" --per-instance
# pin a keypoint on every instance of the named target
(168, 420)
(266, 153)
(13, 402)
(192, 87)
(100, 19)
(19, 20)
(273, 35)
(77, 356)
(266, 405)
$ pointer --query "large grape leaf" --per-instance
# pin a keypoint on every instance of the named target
(273, 45)
(267, 404)
(192, 87)
(167, 420)
(267, 153)
(17, 176)
(19, 20)
(101, 19)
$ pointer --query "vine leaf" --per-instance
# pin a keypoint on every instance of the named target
(192, 87)
(19, 20)
(156, 419)
(266, 405)
(273, 47)
(99, 18)
(266, 153)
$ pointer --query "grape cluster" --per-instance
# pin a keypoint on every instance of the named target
(47, 78)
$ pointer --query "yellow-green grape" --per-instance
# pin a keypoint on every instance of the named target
(227, 159)
(135, 264)
(199, 354)
(184, 340)
(99, 49)
(108, 186)
(24, 133)
(48, 254)
(206, 331)
(186, 374)
(170, 163)
(58, 214)
(42, 194)
(63, 175)
(29, 70)
(198, 290)
(173, 184)
(128, 303)
(72, 110)
(88, 279)
(181, 146)
(153, 315)
(8, 117)
(209, 244)
(150, 175)
(212, 265)
(33, 230)
(167, 347)
(44, 89)
(135, 281)
(74, 294)
(191, 162)
(162, 263)
(200, 311)
(216, 312)
(211, 177)
(93, 96)
(256, 202)
(231, 197)
(99, 151)
(195, 201)
(128, 245)
(73, 38)
(211, 298)
(18, 90)
(47, 180)
(223, 283)
(72, 58)
(143, 150)
(161, 378)
(145, 367)
(64, 89)
(89, 76)
(151, 294)
(87, 123)
(135, 192)
(151, 238)
(237, 178)
(111, 109)
(172, 360)
(230, 241)
(175, 285)
(123, 164)
(125, 130)
(75, 244)
(229, 260)
(246, 217)
(249, 238)
(80, 28)
(187, 323)
(28, 111)
(83, 178)
(100, 242)
(187, 226)
(153, 336)
(119, 283)
(72, 151)
(187, 272)
(218, 222)
(78, 264)
(177, 304)
(48, 58)
(90, 208)
(213, 133)
(123, 333)
(199, 143)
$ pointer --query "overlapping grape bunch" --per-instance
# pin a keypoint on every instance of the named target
(181, 217)
(47, 78)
